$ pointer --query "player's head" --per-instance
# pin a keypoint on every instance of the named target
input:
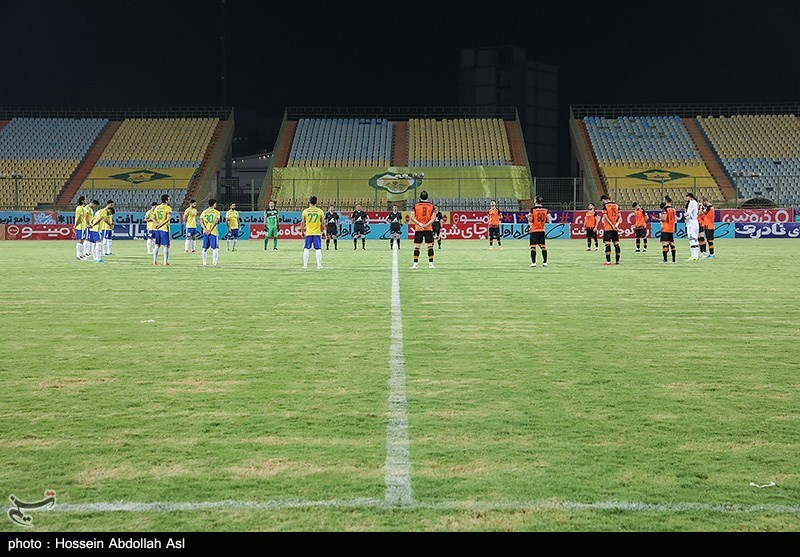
(312, 200)
(82, 200)
(394, 208)
(667, 200)
(704, 201)
(492, 204)
(95, 203)
(539, 199)
(423, 195)
(233, 207)
(109, 203)
(330, 208)
(634, 205)
(358, 206)
(212, 203)
(192, 203)
(271, 204)
(112, 210)
(605, 198)
(690, 196)
(591, 206)
(165, 198)
(154, 204)
(662, 205)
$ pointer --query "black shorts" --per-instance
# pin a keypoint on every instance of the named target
(494, 232)
(668, 237)
(701, 230)
(437, 227)
(359, 229)
(394, 228)
(591, 233)
(640, 232)
(423, 236)
(332, 230)
(709, 233)
(611, 235)
(537, 238)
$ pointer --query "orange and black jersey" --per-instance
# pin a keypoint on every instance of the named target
(591, 218)
(668, 219)
(423, 212)
(708, 216)
(640, 218)
(611, 211)
(494, 217)
(538, 219)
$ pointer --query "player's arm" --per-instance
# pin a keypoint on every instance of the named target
(303, 226)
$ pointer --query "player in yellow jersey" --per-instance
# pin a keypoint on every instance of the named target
(311, 228)
(209, 220)
(88, 215)
(95, 230)
(150, 220)
(107, 231)
(190, 218)
(232, 220)
(163, 214)
(80, 227)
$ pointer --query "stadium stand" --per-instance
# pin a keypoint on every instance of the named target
(46, 152)
(761, 153)
(148, 157)
(457, 142)
(341, 142)
(643, 158)
(337, 153)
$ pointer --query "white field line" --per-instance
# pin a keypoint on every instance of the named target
(397, 470)
(283, 504)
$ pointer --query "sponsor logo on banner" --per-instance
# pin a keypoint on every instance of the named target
(285, 232)
(395, 183)
(767, 230)
(141, 176)
(130, 231)
(479, 231)
(755, 215)
(39, 232)
(657, 175)
(44, 217)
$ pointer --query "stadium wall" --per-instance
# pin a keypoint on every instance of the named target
(732, 223)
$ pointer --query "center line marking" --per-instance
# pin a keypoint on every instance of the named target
(397, 470)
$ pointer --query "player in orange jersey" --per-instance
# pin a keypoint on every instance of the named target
(668, 220)
(611, 220)
(422, 218)
(707, 227)
(538, 218)
(494, 225)
(591, 227)
(640, 226)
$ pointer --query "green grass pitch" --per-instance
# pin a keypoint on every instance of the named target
(258, 381)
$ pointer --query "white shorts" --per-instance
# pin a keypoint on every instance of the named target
(692, 229)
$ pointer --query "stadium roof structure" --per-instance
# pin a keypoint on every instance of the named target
(682, 110)
(221, 112)
(402, 113)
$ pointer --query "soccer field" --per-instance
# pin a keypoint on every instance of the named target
(577, 397)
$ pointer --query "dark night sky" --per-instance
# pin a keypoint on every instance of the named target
(166, 53)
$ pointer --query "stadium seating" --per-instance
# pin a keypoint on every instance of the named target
(45, 151)
(341, 142)
(458, 142)
(169, 149)
(644, 158)
(760, 153)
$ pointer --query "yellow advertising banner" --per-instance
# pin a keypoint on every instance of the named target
(648, 177)
(139, 178)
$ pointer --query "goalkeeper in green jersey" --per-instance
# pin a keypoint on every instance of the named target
(271, 226)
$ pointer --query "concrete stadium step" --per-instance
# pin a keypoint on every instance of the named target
(709, 158)
(515, 143)
(586, 146)
(199, 175)
(87, 164)
(400, 144)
